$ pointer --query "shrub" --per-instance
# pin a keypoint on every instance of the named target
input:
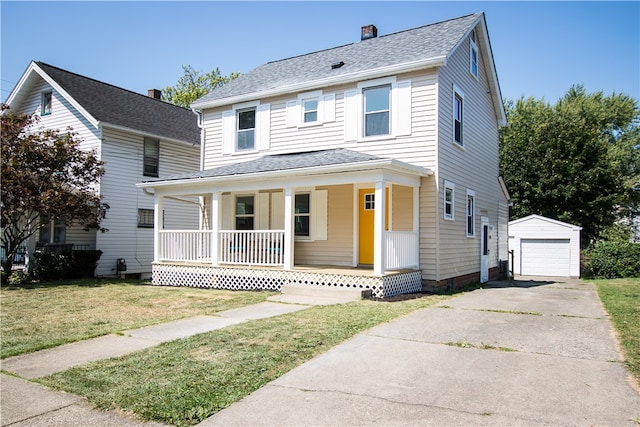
(610, 260)
(85, 263)
(52, 265)
(18, 278)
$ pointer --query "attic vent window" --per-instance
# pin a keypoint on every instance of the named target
(337, 64)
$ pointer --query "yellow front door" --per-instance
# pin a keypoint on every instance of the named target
(366, 202)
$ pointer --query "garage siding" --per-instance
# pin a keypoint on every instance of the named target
(544, 247)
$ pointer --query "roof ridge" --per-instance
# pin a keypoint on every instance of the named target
(374, 38)
(40, 63)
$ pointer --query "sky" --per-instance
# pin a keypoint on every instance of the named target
(540, 48)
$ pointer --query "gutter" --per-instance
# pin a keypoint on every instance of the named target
(406, 67)
(318, 170)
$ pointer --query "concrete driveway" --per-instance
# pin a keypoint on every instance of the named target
(530, 353)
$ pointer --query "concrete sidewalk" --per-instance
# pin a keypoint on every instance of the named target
(532, 353)
(23, 403)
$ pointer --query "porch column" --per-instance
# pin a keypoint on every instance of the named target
(214, 226)
(157, 226)
(416, 221)
(379, 239)
(289, 240)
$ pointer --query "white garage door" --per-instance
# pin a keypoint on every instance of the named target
(545, 257)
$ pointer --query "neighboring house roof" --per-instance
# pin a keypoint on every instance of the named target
(295, 161)
(108, 105)
(418, 48)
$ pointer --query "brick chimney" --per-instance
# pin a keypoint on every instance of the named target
(155, 93)
(368, 32)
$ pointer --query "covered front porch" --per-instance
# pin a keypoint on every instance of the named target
(350, 221)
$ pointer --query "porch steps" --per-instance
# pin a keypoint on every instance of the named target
(315, 295)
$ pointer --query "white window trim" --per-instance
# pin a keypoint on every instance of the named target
(310, 214)
(326, 109)
(261, 133)
(473, 47)
(449, 186)
(256, 207)
(470, 193)
(393, 107)
(457, 91)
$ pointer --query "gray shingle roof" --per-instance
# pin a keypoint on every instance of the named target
(113, 105)
(430, 41)
(280, 162)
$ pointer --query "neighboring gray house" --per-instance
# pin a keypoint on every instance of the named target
(137, 136)
(372, 165)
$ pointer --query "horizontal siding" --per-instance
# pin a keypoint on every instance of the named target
(474, 167)
(417, 148)
(401, 208)
(123, 153)
(338, 248)
(63, 115)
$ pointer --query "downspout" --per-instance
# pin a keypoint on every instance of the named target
(198, 113)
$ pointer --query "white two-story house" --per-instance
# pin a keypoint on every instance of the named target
(138, 137)
(372, 165)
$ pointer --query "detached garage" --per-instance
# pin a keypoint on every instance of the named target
(544, 247)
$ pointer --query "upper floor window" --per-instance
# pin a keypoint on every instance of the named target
(449, 195)
(310, 110)
(377, 110)
(380, 108)
(458, 116)
(151, 157)
(246, 129)
(471, 214)
(45, 103)
(473, 54)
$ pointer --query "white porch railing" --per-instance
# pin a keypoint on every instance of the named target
(402, 249)
(260, 247)
(185, 245)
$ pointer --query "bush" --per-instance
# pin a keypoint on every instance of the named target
(18, 278)
(65, 265)
(610, 260)
(52, 265)
(85, 263)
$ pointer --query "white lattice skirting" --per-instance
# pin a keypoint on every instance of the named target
(256, 279)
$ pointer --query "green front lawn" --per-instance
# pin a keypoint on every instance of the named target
(621, 299)
(48, 315)
(185, 381)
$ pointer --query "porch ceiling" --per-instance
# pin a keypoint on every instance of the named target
(326, 167)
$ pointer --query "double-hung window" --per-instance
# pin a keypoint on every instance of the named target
(145, 218)
(45, 103)
(473, 54)
(246, 120)
(302, 215)
(471, 215)
(151, 157)
(449, 196)
(458, 116)
(377, 110)
(52, 230)
(310, 110)
(245, 212)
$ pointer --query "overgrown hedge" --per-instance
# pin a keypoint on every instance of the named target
(65, 265)
(610, 260)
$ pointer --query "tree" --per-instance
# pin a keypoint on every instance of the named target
(192, 85)
(575, 161)
(44, 175)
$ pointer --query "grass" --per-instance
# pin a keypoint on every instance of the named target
(185, 381)
(621, 299)
(43, 316)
